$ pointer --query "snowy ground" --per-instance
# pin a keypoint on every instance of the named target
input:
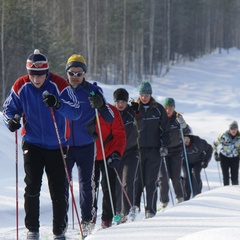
(206, 92)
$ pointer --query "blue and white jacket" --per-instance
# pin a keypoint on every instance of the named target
(26, 100)
(83, 130)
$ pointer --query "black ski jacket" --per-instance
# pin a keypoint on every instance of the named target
(176, 144)
(133, 123)
(156, 130)
(198, 150)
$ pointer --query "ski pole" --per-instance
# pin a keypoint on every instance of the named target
(123, 189)
(115, 218)
(140, 163)
(17, 117)
(186, 159)
(133, 209)
(140, 168)
(206, 178)
(219, 174)
(72, 208)
(95, 203)
(168, 179)
(65, 164)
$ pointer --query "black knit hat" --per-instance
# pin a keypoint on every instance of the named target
(120, 94)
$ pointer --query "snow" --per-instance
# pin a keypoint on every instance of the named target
(206, 91)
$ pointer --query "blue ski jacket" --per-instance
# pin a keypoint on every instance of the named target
(38, 128)
(83, 130)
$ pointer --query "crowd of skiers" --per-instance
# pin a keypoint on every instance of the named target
(135, 150)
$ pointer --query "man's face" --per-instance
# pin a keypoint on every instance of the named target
(37, 80)
(75, 76)
(169, 110)
(121, 105)
(187, 140)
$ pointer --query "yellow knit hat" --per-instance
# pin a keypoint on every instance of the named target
(76, 60)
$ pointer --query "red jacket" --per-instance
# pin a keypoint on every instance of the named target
(114, 135)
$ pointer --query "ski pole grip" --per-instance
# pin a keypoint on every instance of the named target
(45, 94)
(17, 117)
(92, 93)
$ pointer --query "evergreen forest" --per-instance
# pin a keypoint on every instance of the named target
(123, 41)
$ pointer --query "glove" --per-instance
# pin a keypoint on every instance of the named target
(204, 164)
(51, 100)
(113, 160)
(135, 107)
(216, 156)
(96, 101)
(181, 121)
(163, 151)
(14, 124)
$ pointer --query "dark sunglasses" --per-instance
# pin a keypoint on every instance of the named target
(75, 74)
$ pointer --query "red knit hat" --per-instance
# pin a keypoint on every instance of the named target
(37, 63)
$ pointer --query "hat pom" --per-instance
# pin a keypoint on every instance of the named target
(36, 51)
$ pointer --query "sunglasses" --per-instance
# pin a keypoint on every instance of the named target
(75, 74)
(30, 64)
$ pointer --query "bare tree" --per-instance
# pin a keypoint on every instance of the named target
(2, 53)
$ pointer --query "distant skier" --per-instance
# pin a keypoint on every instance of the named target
(174, 159)
(229, 153)
(199, 154)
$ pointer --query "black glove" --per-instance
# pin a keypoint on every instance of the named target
(135, 107)
(14, 124)
(216, 156)
(96, 101)
(181, 121)
(51, 100)
(204, 164)
(113, 160)
(163, 151)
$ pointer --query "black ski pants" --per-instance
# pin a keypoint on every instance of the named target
(107, 213)
(230, 167)
(127, 172)
(174, 167)
(195, 174)
(36, 160)
(150, 161)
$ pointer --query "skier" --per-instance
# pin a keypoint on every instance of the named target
(174, 159)
(41, 149)
(83, 134)
(127, 169)
(229, 153)
(199, 154)
(114, 142)
(154, 139)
